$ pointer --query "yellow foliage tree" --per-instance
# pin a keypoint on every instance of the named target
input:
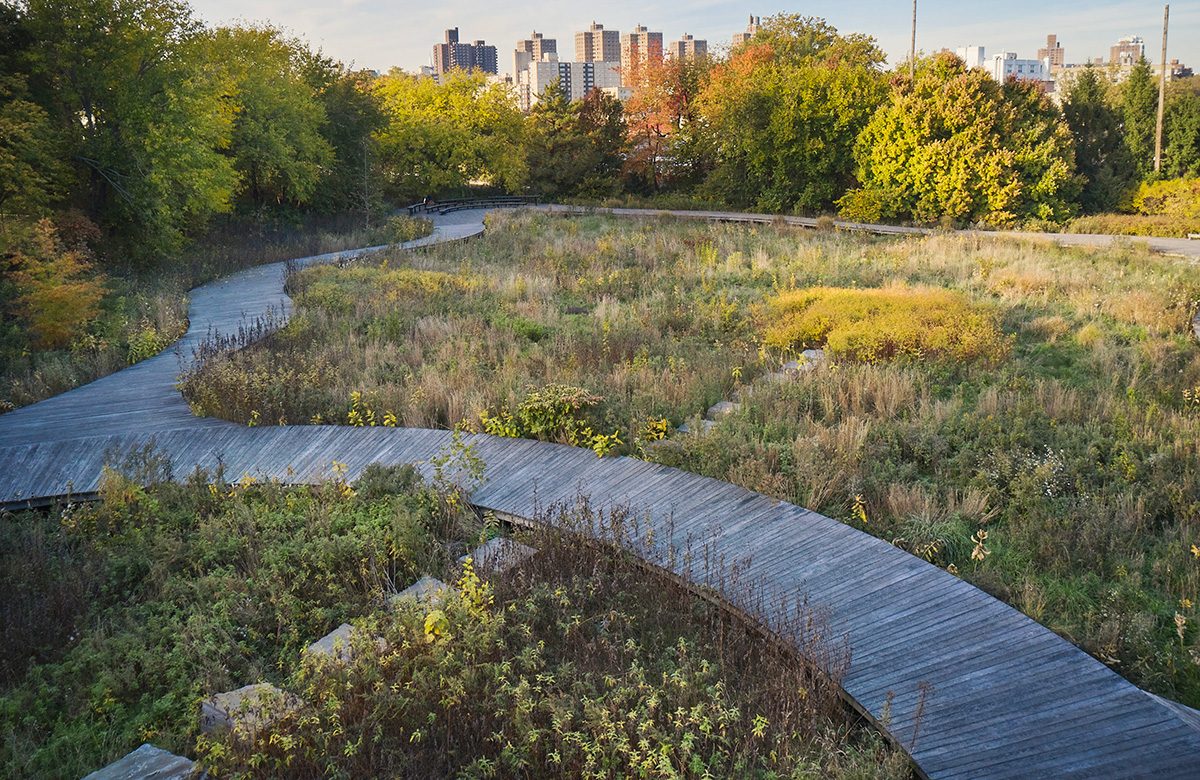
(58, 293)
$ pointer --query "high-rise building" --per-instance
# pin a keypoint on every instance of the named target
(639, 48)
(576, 79)
(751, 29)
(533, 49)
(598, 45)
(451, 54)
(1129, 49)
(687, 48)
(1054, 52)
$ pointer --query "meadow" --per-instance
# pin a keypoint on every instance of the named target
(1036, 434)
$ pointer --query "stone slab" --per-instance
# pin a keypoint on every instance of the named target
(427, 590)
(146, 763)
(336, 645)
(247, 710)
(498, 555)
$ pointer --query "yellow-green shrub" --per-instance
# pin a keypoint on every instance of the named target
(879, 324)
(1179, 198)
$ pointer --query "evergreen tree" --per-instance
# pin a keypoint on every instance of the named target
(1139, 110)
(1181, 153)
(1100, 151)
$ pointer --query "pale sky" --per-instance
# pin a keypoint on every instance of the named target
(379, 35)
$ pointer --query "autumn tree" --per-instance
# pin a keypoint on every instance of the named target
(441, 136)
(57, 292)
(1101, 154)
(956, 143)
(784, 112)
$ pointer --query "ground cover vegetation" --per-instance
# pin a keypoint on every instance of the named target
(1021, 414)
(159, 131)
(126, 613)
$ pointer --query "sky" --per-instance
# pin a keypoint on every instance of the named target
(381, 34)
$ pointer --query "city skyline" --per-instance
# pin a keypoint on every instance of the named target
(370, 34)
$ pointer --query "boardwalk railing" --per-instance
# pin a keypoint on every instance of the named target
(971, 688)
(463, 204)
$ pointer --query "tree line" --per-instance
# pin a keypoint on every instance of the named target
(137, 116)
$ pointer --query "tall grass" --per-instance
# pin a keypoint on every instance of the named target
(1077, 453)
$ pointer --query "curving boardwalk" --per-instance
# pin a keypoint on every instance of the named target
(971, 688)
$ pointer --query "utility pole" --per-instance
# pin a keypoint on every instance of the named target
(912, 51)
(1162, 89)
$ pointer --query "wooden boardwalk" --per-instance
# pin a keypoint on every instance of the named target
(1003, 697)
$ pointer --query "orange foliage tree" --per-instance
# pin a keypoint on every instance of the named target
(58, 293)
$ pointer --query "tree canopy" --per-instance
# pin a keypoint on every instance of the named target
(958, 144)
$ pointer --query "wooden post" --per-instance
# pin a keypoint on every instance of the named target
(912, 51)
(1162, 89)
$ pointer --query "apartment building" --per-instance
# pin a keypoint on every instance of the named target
(751, 29)
(451, 54)
(687, 49)
(637, 49)
(535, 48)
(597, 44)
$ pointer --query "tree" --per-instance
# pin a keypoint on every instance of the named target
(1182, 151)
(278, 150)
(574, 148)
(354, 114)
(783, 115)
(57, 293)
(140, 110)
(1139, 110)
(441, 136)
(29, 155)
(1100, 151)
(31, 174)
(956, 143)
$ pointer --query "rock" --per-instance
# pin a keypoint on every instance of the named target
(702, 427)
(247, 710)
(809, 359)
(498, 555)
(721, 408)
(146, 763)
(425, 591)
(336, 644)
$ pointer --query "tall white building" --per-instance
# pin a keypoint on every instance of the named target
(576, 78)
(1005, 64)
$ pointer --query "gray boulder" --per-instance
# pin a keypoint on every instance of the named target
(336, 645)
